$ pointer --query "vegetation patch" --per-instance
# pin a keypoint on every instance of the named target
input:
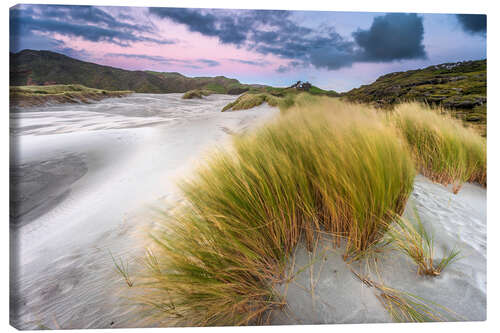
(414, 241)
(220, 254)
(248, 101)
(460, 87)
(443, 149)
(24, 96)
(198, 93)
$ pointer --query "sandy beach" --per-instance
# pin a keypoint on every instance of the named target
(85, 179)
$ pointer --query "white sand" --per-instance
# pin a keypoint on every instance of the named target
(327, 292)
(90, 175)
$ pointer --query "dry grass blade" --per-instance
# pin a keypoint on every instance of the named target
(406, 307)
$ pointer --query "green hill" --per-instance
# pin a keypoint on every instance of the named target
(30, 67)
(458, 86)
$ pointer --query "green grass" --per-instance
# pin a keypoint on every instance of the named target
(122, 269)
(197, 93)
(460, 87)
(53, 89)
(249, 100)
(247, 208)
(217, 88)
(444, 150)
(413, 240)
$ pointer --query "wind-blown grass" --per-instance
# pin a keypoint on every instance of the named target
(122, 269)
(406, 307)
(443, 149)
(323, 166)
(246, 209)
(251, 100)
(414, 241)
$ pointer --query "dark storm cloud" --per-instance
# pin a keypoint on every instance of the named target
(87, 22)
(472, 23)
(391, 36)
(231, 27)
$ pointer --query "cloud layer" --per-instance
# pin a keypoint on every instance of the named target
(391, 37)
(39, 22)
(472, 23)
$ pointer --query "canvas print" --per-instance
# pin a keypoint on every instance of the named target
(213, 167)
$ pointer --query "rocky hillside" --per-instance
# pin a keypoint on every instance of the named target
(30, 67)
(458, 86)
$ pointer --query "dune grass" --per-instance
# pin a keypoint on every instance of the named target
(246, 208)
(323, 166)
(197, 93)
(59, 93)
(405, 307)
(444, 150)
(122, 269)
(251, 100)
(413, 240)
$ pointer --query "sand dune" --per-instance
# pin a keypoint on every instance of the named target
(84, 179)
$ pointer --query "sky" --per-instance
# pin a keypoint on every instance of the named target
(332, 50)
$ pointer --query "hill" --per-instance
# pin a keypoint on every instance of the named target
(30, 67)
(458, 86)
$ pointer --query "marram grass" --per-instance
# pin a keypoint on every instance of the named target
(413, 240)
(250, 100)
(444, 150)
(323, 165)
(219, 256)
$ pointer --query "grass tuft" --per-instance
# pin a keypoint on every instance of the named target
(414, 241)
(406, 307)
(122, 269)
(324, 166)
(444, 150)
(250, 100)
(197, 93)
(223, 251)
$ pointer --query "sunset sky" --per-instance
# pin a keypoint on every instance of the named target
(333, 50)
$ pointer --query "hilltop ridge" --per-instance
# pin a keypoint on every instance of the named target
(30, 67)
